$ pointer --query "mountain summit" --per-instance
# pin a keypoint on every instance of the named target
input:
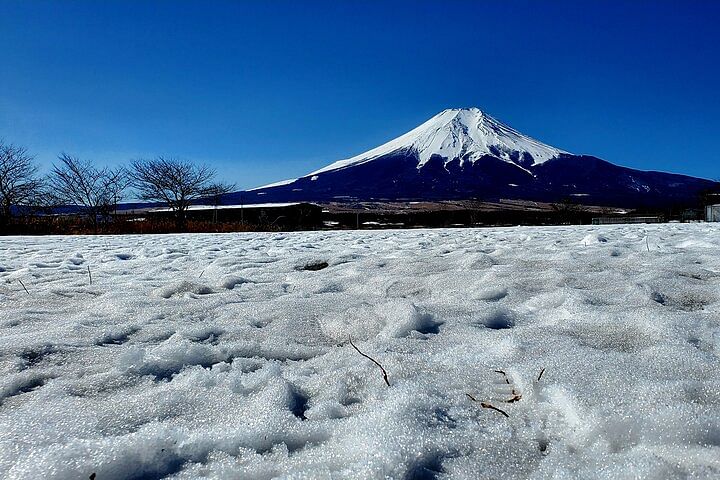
(467, 134)
(467, 154)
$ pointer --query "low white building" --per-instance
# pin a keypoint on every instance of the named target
(712, 213)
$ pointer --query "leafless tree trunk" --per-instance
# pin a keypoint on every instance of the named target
(215, 193)
(19, 185)
(567, 209)
(177, 183)
(80, 183)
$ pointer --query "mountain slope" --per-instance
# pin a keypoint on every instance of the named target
(467, 154)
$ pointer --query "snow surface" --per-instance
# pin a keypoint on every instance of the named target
(465, 133)
(223, 356)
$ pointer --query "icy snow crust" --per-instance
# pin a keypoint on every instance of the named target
(464, 133)
(223, 356)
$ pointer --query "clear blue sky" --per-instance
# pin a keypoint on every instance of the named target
(270, 90)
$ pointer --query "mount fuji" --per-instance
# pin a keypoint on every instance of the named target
(462, 154)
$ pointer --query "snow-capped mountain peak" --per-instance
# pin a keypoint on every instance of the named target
(464, 153)
(464, 133)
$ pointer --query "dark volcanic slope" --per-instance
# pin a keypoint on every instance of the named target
(585, 179)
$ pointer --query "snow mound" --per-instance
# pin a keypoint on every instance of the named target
(594, 239)
(229, 282)
(181, 288)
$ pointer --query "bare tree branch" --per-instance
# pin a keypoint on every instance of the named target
(19, 185)
(172, 181)
(215, 192)
(97, 191)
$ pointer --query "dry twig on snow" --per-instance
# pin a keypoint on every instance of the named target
(384, 372)
(507, 380)
(487, 405)
(515, 395)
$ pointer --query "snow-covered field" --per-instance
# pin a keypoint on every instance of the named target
(220, 356)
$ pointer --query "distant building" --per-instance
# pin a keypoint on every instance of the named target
(283, 215)
(693, 215)
(712, 213)
(620, 220)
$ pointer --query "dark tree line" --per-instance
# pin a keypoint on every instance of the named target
(95, 191)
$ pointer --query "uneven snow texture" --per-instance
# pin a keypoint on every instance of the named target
(224, 356)
(464, 133)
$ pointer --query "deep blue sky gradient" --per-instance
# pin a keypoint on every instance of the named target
(270, 90)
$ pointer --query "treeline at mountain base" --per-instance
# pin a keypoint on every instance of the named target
(343, 216)
(80, 226)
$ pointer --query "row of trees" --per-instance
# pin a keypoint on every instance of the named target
(95, 190)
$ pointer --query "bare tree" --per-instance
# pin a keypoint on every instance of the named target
(80, 183)
(215, 192)
(19, 185)
(172, 181)
(567, 209)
